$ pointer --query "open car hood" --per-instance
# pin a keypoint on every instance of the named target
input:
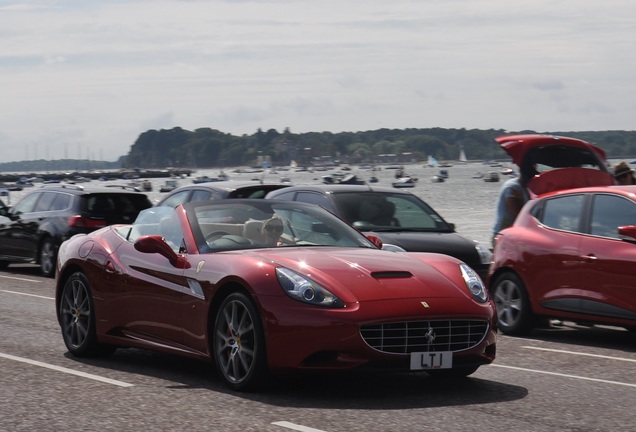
(573, 162)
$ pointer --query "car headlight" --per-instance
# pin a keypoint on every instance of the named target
(305, 290)
(474, 283)
(485, 255)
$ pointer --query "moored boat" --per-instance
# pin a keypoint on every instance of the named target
(404, 182)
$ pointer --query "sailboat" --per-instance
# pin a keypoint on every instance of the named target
(432, 162)
(462, 155)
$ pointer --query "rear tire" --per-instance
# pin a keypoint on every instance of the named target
(514, 312)
(48, 257)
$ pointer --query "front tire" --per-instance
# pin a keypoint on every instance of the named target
(514, 312)
(239, 343)
(77, 319)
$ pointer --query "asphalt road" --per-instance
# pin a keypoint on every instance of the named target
(559, 379)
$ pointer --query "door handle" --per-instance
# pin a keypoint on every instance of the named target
(590, 258)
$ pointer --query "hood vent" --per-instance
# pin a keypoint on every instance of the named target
(391, 275)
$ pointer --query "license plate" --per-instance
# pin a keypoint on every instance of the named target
(431, 360)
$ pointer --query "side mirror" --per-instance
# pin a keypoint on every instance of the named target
(392, 248)
(375, 240)
(627, 233)
(156, 244)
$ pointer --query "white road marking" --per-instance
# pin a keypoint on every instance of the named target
(20, 279)
(27, 294)
(296, 427)
(565, 375)
(581, 354)
(66, 370)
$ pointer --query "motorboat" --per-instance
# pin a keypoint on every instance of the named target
(404, 182)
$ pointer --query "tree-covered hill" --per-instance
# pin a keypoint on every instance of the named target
(210, 148)
(207, 147)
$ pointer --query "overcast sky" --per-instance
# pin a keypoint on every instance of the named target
(84, 78)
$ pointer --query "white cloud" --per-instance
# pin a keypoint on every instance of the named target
(94, 75)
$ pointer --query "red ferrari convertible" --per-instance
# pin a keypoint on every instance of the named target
(260, 287)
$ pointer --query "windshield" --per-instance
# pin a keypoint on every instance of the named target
(247, 224)
(380, 211)
(541, 159)
(162, 221)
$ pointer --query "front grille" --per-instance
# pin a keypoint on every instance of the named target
(425, 336)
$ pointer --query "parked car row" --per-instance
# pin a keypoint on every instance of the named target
(34, 228)
(297, 280)
(397, 217)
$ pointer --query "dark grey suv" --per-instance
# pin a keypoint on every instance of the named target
(219, 190)
(34, 229)
(396, 216)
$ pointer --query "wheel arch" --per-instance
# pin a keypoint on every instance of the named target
(221, 294)
(513, 271)
(46, 235)
(497, 274)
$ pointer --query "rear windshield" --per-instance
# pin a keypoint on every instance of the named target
(254, 191)
(542, 159)
(116, 207)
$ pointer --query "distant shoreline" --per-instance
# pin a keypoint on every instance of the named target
(97, 175)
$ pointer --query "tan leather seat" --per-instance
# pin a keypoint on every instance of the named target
(253, 231)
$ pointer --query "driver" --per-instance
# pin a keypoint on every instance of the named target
(272, 230)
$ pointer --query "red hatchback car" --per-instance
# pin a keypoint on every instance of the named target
(569, 255)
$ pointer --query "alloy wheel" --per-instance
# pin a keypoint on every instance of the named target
(75, 314)
(47, 258)
(238, 342)
(512, 304)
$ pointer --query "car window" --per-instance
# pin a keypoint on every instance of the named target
(542, 159)
(162, 221)
(176, 199)
(100, 204)
(26, 204)
(223, 226)
(315, 198)
(200, 195)
(45, 201)
(115, 207)
(249, 192)
(371, 210)
(563, 213)
(287, 196)
(62, 201)
(609, 212)
(130, 203)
